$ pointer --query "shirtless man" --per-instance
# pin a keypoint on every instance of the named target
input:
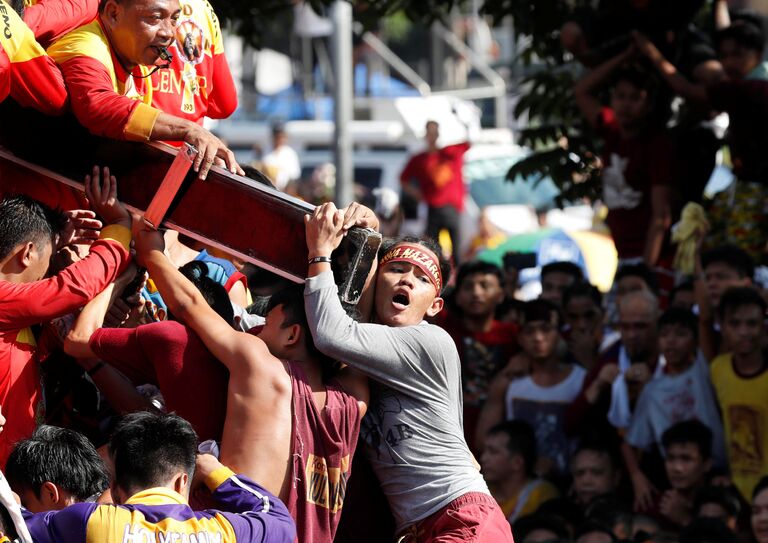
(287, 426)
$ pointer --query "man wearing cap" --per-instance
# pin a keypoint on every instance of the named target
(413, 434)
(106, 66)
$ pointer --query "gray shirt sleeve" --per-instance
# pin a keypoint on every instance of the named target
(410, 359)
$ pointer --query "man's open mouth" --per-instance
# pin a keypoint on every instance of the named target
(401, 300)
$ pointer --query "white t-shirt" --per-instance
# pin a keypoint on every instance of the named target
(544, 409)
(669, 399)
(282, 165)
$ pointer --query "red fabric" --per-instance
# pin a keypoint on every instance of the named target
(171, 356)
(582, 415)
(94, 100)
(323, 444)
(217, 98)
(25, 304)
(439, 175)
(236, 277)
(5, 75)
(38, 83)
(478, 366)
(51, 19)
(26, 73)
(471, 518)
(650, 160)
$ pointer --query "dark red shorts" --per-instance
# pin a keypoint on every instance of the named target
(474, 517)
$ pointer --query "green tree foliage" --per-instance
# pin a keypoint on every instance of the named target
(255, 19)
(564, 146)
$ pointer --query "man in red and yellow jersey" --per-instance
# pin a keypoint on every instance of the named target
(28, 235)
(198, 83)
(106, 64)
(51, 19)
(27, 74)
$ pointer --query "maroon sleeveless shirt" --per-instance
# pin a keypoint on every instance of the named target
(322, 445)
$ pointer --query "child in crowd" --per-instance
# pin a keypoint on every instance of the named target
(683, 390)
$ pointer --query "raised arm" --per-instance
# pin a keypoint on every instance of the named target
(661, 219)
(586, 88)
(185, 302)
(694, 92)
(396, 356)
(25, 304)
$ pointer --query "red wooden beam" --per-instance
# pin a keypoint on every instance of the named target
(48, 157)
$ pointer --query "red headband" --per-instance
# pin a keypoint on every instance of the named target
(416, 255)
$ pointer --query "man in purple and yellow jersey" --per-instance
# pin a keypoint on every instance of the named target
(155, 468)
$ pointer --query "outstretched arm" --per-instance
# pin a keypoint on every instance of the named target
(691, 91)
(256, 434)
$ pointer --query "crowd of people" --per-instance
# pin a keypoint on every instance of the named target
(156, 390)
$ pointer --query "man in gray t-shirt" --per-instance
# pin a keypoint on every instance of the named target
(414, 429)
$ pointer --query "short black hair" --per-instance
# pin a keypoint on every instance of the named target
(7, 527)
(732, 256)
(639, 76)
(291, 299)
(568, 268)
(522, 441)
(583, 289)
(591, 526)
(762, 484)
(18, 6)
(214, 294)
(540, 310)
(478, 267)
(682, 317)
(147, 449)
(608, 511)
(60, 456)
(737, 297)
(685, 286)
(601, 445)
(640, 270)
(689, 431)
(723, 496)
(707, 530)
(429, 243)
(745, 33)
(537, 521)
(24, 219)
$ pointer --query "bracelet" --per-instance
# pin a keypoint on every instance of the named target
(319, 259)
(96, 368)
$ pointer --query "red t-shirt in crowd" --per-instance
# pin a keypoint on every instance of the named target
(482, 354)
(25, 304)
(174, 358)
(322, 446)
(631, 167)
(439, 175)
